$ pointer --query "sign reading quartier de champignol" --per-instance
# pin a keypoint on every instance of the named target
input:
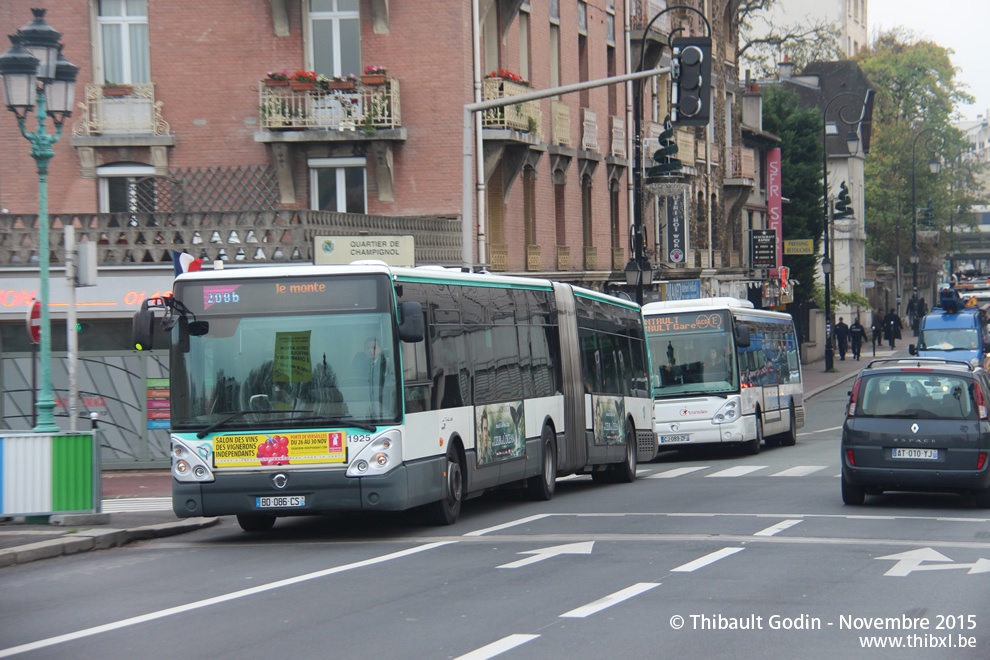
(337, 250)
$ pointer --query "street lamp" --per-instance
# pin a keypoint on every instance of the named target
(934, 165)
(34, 57)
(643, 265)
(852, 144)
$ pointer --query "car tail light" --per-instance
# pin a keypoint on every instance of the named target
(849, 457)
(981, 461)
(851, 408)
(981, 402)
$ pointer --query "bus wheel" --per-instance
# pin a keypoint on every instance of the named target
(625, 472)
(753, 446)
(542, 486)
(250, 522)
(789, 438)
(445, 511)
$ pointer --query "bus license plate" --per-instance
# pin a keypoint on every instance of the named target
(923, 454)
(280, 502)
(664, 439)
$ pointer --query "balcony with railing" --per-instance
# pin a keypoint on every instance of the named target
(618, 149)
(360, 110)
(116, 110)
(561, 135)
(523, 117)
(741, 169)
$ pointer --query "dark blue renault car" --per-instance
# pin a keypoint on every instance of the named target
(918, 424)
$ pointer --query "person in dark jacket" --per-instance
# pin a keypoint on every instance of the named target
(857, 334)
(892, 327)
(877, 330)
(842, 335)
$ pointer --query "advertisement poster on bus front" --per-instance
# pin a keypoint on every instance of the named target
(610, 411)
(270, 449)
(501, 432)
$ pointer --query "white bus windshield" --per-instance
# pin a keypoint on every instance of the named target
(693, 353)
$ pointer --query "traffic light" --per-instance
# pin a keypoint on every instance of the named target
(843, 204)
(666, 156)
(927, 217)
(692, 75)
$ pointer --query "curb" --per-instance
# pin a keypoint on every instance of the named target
(819, 390)
(98, 539)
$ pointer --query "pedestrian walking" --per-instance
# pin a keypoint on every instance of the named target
(877, 331)
(857, 334)
(892, 327)
(842, 334)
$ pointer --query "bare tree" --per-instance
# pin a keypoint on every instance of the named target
(764, 43)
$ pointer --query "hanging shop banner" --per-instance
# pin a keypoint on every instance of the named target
(774, 205)
(676, 232)
(764, 243)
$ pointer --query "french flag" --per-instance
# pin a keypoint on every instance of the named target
(185, 263)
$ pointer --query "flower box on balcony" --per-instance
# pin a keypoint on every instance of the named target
(340, 84)
(302, 85)
(117, 90)
(373, 79)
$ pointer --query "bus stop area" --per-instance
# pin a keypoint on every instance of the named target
(146, 514)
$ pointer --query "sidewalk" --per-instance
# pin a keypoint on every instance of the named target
(137, 505)
(816, 380)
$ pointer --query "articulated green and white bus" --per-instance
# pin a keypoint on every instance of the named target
(309, 389)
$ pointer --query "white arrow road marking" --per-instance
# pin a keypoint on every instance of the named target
(707, 559)
(497, 648)
(779, 527)
(910, 561)
(547, 553)
(609, 601)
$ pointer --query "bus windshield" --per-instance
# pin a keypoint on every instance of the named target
(329, 363)
(693, 353)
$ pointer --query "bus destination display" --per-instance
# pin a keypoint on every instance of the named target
(688, 322)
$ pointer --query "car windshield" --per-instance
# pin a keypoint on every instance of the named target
(917, 394)
(956, 339)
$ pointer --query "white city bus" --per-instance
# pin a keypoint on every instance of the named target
(728, 373)
(469, 382)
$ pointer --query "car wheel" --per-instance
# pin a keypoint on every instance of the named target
(250, 522)
(851, 494)
(753, 446)
(447, 509)
(625, 472)
(542, 486)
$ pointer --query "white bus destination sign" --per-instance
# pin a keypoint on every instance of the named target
(393, 250)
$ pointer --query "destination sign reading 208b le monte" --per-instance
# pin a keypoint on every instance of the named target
(705, 321)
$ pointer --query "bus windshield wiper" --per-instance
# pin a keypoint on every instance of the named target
(221, 422)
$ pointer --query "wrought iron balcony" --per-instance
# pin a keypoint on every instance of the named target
(618, 137)
(742, 163)
(363, 107)
(589, 130)
(525, 117)
(120, 110)
(561, 124)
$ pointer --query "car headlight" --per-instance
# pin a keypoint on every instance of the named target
(377, 457)
(191, 460)
(729, 412)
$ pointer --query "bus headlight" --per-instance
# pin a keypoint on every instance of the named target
(379, 456)
(191, 463)
(729, 412)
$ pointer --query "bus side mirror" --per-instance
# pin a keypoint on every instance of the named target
(411, 328)
(143, 328)
(742, 335)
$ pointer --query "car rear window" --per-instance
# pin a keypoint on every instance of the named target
(914, 394)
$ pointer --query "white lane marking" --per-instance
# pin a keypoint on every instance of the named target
(779, 527)
(609, 601)
(571, 477)
(497, 648)
(736, 471)
(676, 472)
(799, 471)
(498, 528)
(547, 553)
(216, 600)
(701, 562)
(833, 428)
(130, 504)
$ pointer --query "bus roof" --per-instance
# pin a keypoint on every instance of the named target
(697, 304)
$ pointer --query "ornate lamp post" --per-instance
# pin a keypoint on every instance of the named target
(33, 73)
(852, 143)
(934, 165)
